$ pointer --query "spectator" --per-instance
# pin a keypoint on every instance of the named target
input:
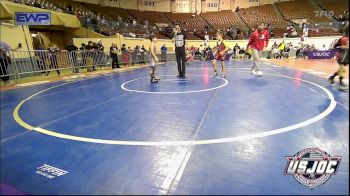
(82, 47)
(286, 52)
(125, 55)
(70, 9)
(5, 60)
(275, 52)
(71, 48)
(323, 48)
(236, 49)
(294, 33)
(313, 47)
(37, 4)
(91, 47)
(163, 55)
(120, 19)
(248, 53)
(52, 54)
(282, 46)
(114, 55)
(101, 56)
(130, 51)
(134, 55)
(143, 51)
(41, 57)
(237, 9)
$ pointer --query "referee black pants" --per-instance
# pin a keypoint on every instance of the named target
(181, 60)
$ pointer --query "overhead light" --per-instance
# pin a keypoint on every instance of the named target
(34, 35)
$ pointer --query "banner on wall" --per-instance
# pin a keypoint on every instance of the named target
(327, 54)
(32, 18)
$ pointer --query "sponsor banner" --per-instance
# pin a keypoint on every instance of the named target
(327, 54)
(32, 18)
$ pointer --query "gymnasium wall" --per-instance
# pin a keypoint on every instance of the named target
(110, 3)
(129, 4)
(154, 5)
(12, 35)
(225, 5)
(263, 2)
(216, 5)
(60, 39)
(129, 42)
(181, 6)
(211, 5)
(245, 3)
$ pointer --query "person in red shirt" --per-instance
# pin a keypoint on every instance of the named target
(342, 57)
(220, 50)
(258, 41)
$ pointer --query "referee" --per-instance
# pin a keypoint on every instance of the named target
(180, 43)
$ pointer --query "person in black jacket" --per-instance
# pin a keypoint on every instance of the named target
(71, 48)
(114, 55)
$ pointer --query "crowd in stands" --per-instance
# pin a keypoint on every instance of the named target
(344, 16)
(237, 25)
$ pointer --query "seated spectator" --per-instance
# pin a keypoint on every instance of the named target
(294, 33)
(275, 53)
(198, 53)
(37, 4)
(286, 52)
(189, 56)
(323, 48)
(163, 55)
(313, 47)
(248, 53)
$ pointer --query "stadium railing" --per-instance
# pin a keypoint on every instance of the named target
(21, 64)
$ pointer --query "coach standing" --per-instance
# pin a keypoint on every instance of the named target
(180, 44)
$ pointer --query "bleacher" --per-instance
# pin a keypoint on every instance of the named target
(107, 12)
(301, 9)
(337, 6)
(76, 6)
(223, 19)
(187, 21)
(45, 4)
(152, 17)
(265, 13)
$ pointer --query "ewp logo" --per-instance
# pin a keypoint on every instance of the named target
(33, 18)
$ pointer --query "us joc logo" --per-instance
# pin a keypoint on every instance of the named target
(312, 167)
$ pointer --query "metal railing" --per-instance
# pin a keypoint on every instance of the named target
(20, 64)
